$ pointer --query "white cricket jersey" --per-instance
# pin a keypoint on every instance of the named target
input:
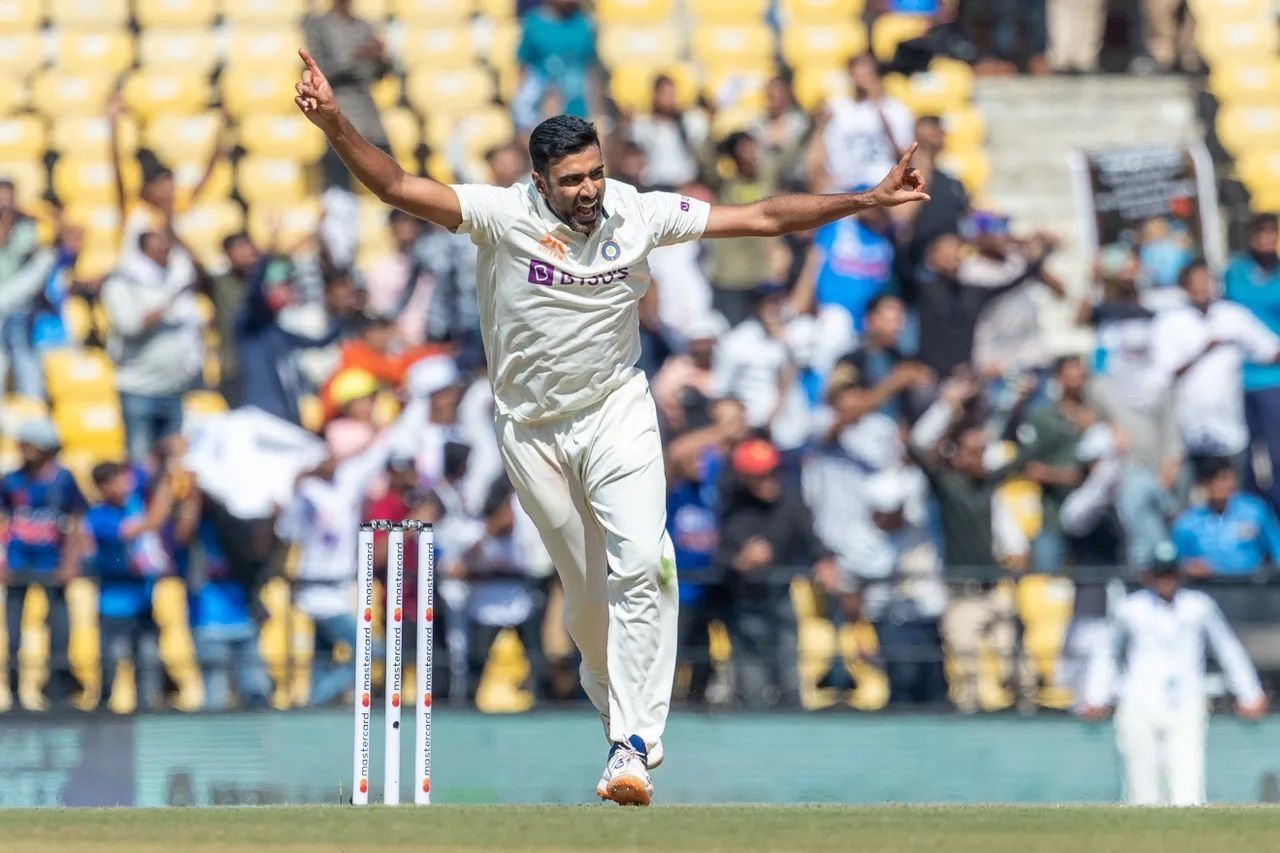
(558, 309)
(1162, 645)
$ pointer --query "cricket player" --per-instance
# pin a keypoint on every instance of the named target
(1161, 633)
(560, 269)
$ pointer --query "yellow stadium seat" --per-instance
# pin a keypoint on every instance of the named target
(404, 131)
(620, 46)
(1259, 169)
(78, 374)
(634, 11)
(497, 10)
(1246, 82)
(183, 137)
(249, 91)
(187, 175)
(15, 409)
(93, 53)
(371, 223)
(821, 11)
(734, 118)
(727, 11)
(632, 86)
(499, 49)
(20, 53)
(452, 92)
(94, 427)
(14, 93)
(1242, 128)
(965, 128)
(733, 46)
(196, 403)
(271, 180)
(289, 224)
(1232, 10)
(889, 31)
(29, 179)
(21, 137)
(272, 49)
(373, 11)
(55, 94)
(971, 168)
(91, 136)
(738, 88)
(20, 15)
(166, 91)
(96, 262)
(89, 180)
(823, 44)
(929, 93)
(262, 14)
(386, 92)
(175, 13)
(436, 48)
(287, 136)
(101, 222)
(482, 131)
(430, 13)
(205, 225)
(813, 87)
(192, 50)
(1235, 41)
(92, 15)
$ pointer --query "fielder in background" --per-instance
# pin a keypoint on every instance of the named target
(1158, 636)
(561, 268)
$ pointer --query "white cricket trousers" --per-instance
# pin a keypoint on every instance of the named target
(594, 484)
(1163, 752)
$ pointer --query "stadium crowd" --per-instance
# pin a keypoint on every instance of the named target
(870, 408)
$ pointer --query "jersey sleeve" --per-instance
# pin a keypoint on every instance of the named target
(486, 211)
(674, 218)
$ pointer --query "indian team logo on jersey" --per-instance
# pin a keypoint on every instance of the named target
(610, 250)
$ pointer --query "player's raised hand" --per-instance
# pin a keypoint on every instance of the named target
(903, 184)
(315, 95)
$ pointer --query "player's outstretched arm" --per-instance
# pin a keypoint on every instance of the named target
(421, 197)
(783, 214)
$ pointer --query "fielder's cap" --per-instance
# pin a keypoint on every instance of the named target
(1164, 560)
(708, 326)
(431, 375)
(352, 384)
(39, 432)
(755, 457)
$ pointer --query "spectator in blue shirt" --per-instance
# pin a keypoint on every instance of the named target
(1232, 534)
(851, 263)
(42, 516)
(557, 50)
(1253, 280)
(128, 556)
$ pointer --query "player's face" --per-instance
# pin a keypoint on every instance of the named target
(574, 188)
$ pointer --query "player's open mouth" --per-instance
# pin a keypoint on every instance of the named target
(586, 212)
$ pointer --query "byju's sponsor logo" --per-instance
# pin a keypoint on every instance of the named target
(544, 274)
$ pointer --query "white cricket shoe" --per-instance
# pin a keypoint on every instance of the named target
(626, 780)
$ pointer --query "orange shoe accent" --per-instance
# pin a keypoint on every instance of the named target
(628, 791)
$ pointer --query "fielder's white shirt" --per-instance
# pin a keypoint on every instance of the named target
(558, 309)
(1208, 403)
(858, 148)
(1163, 648)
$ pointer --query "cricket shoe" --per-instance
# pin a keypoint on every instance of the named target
(626, 780)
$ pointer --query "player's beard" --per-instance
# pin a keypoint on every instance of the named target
(573, 215)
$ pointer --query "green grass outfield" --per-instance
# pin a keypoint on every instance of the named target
(886, 829)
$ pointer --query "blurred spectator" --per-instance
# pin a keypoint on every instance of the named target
(377, 350)
(740, 262)
(850, 263)
(353, 59)
(1253, 280)
(671, 138)
(557, 54)
(860, 138)
(1018, 34)
(1169, 32)
(753, 363)
(227, 291)
(43, 522)
(454, 313)
(1090, 518)
(1202, 347)
(1231, 533)
(898, 386)
(266, 351)
(681, 288)
(128, 557)
(766, 538)
(155, 341)
(395, 282)
(1075, 34)
(950, 304)
(682, 389)
(33, 285)
(352, 395)
(1166, 248)
(782, 131)
(918, 225)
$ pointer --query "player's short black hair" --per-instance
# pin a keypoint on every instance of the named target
(105, 472)
(1259, 222)
(231, 239)
(560, 136)
(1184, 275)
(879, 300)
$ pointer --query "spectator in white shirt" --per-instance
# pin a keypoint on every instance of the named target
(1202, 348)
(862, 135)
(671, 138)
(1161, 699)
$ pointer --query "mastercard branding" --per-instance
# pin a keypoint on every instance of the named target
(396, 614)
(364, 786)
(368, 614)
(431, 614)
(426, 700)
(395, 700)
(426, 786)
(364, 699)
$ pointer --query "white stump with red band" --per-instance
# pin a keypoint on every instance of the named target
(363, 654)
(395, 667)
(426, 636)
